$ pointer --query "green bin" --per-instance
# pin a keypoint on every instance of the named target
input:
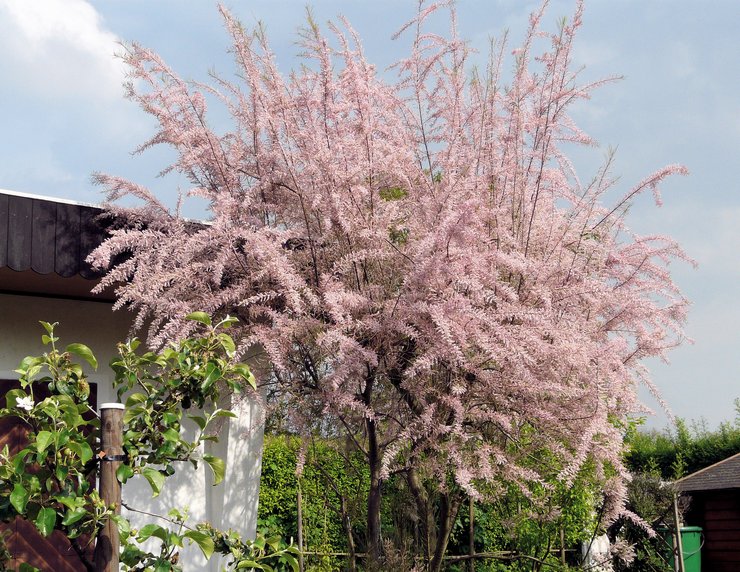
(691, 539)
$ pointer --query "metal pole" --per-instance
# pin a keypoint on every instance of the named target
(679, 541)
(108, 546)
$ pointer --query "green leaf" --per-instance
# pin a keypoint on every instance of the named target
(82, 449)
(61, 473)
(73, 516)
(49, 327)
(34, 485)
(201, 317)
(134, 399)
(227, 343)
(67, 501)
(12, 397)
(43, 438)
(132, 413)
(249, 564)
(124, 473)
(124, 526)
(171, 435)
(81, 350)
(199, 421)
(292, 561)
(25, 567)
(155, 478)
(150, 530)
(213, 374)
(204, 542)
(223, 413)
(46, 520)
(217, 466)
(274, 542)
(19, 498)
(243, 370)
(228, 321)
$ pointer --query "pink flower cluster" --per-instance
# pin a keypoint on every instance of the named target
(417, 259)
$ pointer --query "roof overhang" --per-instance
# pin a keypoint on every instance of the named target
(44, 244)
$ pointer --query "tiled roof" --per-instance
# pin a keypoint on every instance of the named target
(722, 475)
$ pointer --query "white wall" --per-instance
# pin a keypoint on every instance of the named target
(233, 504)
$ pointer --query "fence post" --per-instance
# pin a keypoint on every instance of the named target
(111, 442)
(562, 545)
(471, 533)
(300, 528)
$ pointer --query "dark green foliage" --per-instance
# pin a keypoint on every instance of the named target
(333, 485)
(525, 528)
(685, 449)
(526, 524)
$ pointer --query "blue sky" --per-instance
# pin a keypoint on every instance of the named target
(63, 117)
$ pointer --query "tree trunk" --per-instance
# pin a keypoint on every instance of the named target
(374, 548)
(435, 533)
(426, 517)
(449, 504)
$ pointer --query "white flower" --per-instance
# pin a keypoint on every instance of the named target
(25, 403)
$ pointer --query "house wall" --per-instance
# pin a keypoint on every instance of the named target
(230, 505)
(718, 513)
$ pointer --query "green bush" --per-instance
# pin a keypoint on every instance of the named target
(333, 485)
(48, 481)
(527, 524)
(685, 449)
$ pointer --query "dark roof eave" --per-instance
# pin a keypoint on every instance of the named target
(44, 244)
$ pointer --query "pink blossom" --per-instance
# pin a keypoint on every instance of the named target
(417, 260)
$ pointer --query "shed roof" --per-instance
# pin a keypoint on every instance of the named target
(722, 475)
(44, 243)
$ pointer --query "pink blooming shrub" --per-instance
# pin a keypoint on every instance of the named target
(417, 259)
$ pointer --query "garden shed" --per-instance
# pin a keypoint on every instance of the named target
(715, 507)
(43, 276)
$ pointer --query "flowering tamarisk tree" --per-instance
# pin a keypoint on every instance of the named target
(417, 258)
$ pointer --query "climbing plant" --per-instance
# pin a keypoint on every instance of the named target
(50, 480)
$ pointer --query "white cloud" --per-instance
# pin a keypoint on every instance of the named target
(58, 48)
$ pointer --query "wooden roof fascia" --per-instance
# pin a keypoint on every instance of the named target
(19, 225)
(48, 236)
(3, 230)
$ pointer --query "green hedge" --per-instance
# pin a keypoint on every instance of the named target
(685, 449)
(527, 524)
(328, 478)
